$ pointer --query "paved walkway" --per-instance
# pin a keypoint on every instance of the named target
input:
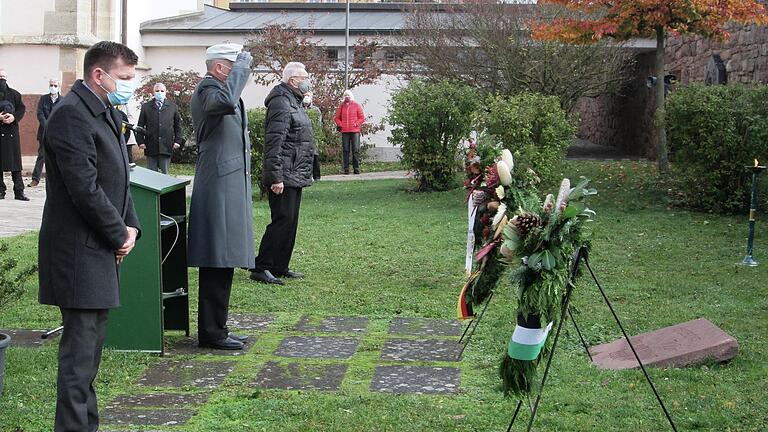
(18, 217)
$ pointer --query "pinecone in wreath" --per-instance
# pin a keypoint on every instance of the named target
(524, 223)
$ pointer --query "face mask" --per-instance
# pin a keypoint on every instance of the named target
(53, 90)
(305, 86)
(229, 69)
(160, 96)
(123, 91)
(307, 100)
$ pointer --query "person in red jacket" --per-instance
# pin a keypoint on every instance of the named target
(349, 118)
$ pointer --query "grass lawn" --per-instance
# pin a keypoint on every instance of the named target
(376, 249)
(325, 168)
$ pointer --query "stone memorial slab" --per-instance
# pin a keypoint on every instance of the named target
(141, 417)
(421, 350)
(176, 373)
(244, 321)
(317, 347)
(159, 400)
(188, 346)
(425, 327)
(676, 346)
(341, 324)
(28, 338)
(298, 376)
(415, 379)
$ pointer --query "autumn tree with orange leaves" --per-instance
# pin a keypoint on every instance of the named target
(626, 19)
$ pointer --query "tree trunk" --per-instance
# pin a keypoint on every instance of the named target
(661, 140)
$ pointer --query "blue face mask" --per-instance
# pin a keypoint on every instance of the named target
(160, 96)
(305, 86)
(123, 91)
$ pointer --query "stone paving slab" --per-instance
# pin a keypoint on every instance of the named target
(142, 417)
(189, 346)
(415, 379)
(318, 347)
(425, 327)
(421, 350)
(299, 376)
(245, 321)
(176, 373)
(28, 338)
(158, 400)
(333, 324)
(18, 217)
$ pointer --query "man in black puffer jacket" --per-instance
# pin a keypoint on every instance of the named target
(288, 154)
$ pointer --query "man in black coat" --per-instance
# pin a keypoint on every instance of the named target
(89, 224)
(44, 108)
(288, 155)
(160, 117)
(11, 113)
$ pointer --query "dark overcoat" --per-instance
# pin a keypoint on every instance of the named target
(220, 214)
(163, 128)
(289, 143)
(44, 108)
(88, 204)
(10, 144)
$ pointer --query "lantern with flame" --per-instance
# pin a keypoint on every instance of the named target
(756, 170)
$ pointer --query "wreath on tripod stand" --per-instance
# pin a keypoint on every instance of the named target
(537, 243)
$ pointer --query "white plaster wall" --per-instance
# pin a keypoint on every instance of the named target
(140, 11)
(30, 67)
(24, 18)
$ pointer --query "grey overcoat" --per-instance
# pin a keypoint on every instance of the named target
(220, 214)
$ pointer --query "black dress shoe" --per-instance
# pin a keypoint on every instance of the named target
(222, 344)
(21, 197)
(291, 275)
(237, 337)
(266, 277)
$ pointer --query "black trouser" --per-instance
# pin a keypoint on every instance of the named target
(213, 303)
(39, 162)
(79, 356)
(350, 141)
(279, 238)
(18, 184)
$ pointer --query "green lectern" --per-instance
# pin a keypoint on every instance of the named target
(153, 277)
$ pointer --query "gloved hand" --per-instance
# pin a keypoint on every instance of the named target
(244, 58)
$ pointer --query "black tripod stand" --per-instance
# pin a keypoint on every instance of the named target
(578, 256)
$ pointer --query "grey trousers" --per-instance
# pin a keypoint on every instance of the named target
(159, 163)
(79, 357)
(39, 162)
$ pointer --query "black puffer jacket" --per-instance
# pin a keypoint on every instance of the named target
(288, 140)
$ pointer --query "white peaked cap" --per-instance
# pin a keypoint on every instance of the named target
(226, 51)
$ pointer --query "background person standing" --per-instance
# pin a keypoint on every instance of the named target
(220, 214)
(288, 155)
(12, 110)
(44, 108)
(160, 117)
(349, 118)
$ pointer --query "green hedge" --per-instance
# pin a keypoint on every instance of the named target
(256, 133)
(713, 133)
(532, 126)
(429, 121)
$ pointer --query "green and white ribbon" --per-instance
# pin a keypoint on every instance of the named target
(526, 343)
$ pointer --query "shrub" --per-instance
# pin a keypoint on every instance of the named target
(11, 285)
(180, 86)
(256, 134)
(714, 131)
(429, 121)
(532, 126)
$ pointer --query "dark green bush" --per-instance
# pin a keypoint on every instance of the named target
(256, 134)
(713, 133)
(532, 126)
(11, 283)
(429, 121)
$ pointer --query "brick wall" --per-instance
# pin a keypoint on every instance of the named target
(28, 125)
(745, 55)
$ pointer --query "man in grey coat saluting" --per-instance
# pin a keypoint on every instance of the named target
(220, 217)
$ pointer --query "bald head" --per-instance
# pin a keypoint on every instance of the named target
(3, 74)
(159, 86)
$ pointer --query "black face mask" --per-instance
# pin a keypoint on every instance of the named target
(3, 85)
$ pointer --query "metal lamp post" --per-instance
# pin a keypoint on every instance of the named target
(346, 50)
(756, 170)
